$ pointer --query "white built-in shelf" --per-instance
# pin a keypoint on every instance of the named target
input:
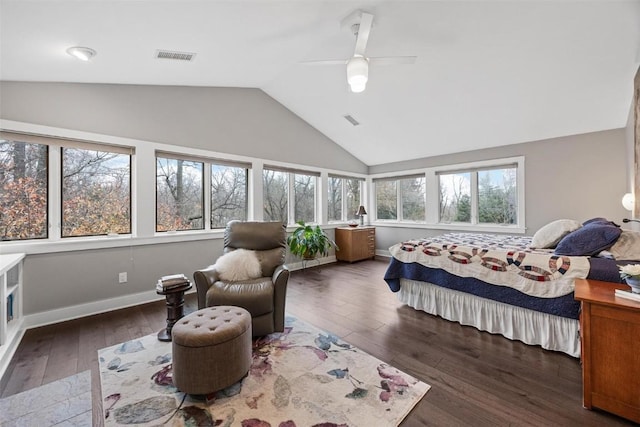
(11, 330)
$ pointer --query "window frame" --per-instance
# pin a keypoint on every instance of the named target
(16, 138)
(291, 173)
(207, 163)
(209, 205)
(166, 156)
(400, 199)
(345, 214)
(432, 194)
(97, 148)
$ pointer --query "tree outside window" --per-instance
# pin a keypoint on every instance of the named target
(334, 199)
(179, 194)
(495, 191)
(412, 195)
(386, 199)
(228, 194)
(455, 197)
(497, 196)
(304, 190)
(23, 199)
(343, 198)
(276, 194)
(96, 192)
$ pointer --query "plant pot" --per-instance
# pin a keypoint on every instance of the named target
(634, 284)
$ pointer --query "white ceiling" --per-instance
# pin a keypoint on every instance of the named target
(488, 73)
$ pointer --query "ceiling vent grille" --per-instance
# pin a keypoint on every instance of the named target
(351, 120)
(174, 55)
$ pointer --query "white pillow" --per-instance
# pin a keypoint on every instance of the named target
(627, 246)
(238, 265)
(549, 235)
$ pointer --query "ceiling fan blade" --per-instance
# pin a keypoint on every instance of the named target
(326, 62)
(393, 60)
(364, 29)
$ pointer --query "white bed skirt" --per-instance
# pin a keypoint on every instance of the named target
(516, 323)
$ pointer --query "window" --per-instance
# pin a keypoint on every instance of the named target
(276, 195)
(289, 196)
(481, 196)
(455, 197)
(497, 196)
(23, 195)
(412, 196)
(343, 198)
(334, 199)
(179, 194)
(401, 199)
(96, 192)
(386, 199)
(228, 194)
(353, 187)
(304, 200)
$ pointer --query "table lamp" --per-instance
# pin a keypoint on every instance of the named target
(361, 212)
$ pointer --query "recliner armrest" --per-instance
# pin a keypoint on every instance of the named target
(281, 274)
(280, 279)
(204, 279)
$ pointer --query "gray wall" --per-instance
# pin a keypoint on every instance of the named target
(577, 177)
(63, 279)
(227, 120)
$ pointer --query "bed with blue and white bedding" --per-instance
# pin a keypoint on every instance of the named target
(496, 283)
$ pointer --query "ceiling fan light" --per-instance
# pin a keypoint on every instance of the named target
(357, 73)
(357, 87)
(82, 53)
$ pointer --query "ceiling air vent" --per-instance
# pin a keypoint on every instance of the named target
(177, 56)
(351, 120)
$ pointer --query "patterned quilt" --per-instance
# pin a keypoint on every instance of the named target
(497, 259)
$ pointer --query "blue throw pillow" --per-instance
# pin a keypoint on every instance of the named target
(589, 240)
(599, 220)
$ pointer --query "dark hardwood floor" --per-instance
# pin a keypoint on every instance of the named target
(477, 378)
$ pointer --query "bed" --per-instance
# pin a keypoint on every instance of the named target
(500, 284)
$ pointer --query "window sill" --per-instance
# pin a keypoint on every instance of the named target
(104, 242)
(512, 229)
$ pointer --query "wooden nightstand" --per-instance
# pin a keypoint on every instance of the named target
(610, 332)
(355, 243)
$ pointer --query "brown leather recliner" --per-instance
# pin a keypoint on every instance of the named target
(264, 297)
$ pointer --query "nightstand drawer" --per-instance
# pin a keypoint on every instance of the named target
(355, 243)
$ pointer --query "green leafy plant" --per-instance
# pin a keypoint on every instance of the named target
(308, 241)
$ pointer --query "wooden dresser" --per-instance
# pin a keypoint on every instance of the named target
(355, 243)
(610, 333)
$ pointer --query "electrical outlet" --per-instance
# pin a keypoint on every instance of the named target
(122, 277)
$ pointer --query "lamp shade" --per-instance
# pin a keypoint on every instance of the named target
(628, 201)
(361, 211)
(357, 73)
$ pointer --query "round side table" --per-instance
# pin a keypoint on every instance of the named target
(175, 308)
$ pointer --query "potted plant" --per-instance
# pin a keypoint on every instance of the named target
(307, 241)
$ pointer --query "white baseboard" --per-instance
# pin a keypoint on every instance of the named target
(124, 301)
(383, 253)
(89, 309)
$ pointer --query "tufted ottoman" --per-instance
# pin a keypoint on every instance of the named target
(211, 349)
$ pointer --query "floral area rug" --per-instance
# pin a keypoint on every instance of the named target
(301, 377)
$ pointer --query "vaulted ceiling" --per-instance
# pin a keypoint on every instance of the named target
(487, 73)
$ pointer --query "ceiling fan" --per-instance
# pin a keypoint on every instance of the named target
(358, 65)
